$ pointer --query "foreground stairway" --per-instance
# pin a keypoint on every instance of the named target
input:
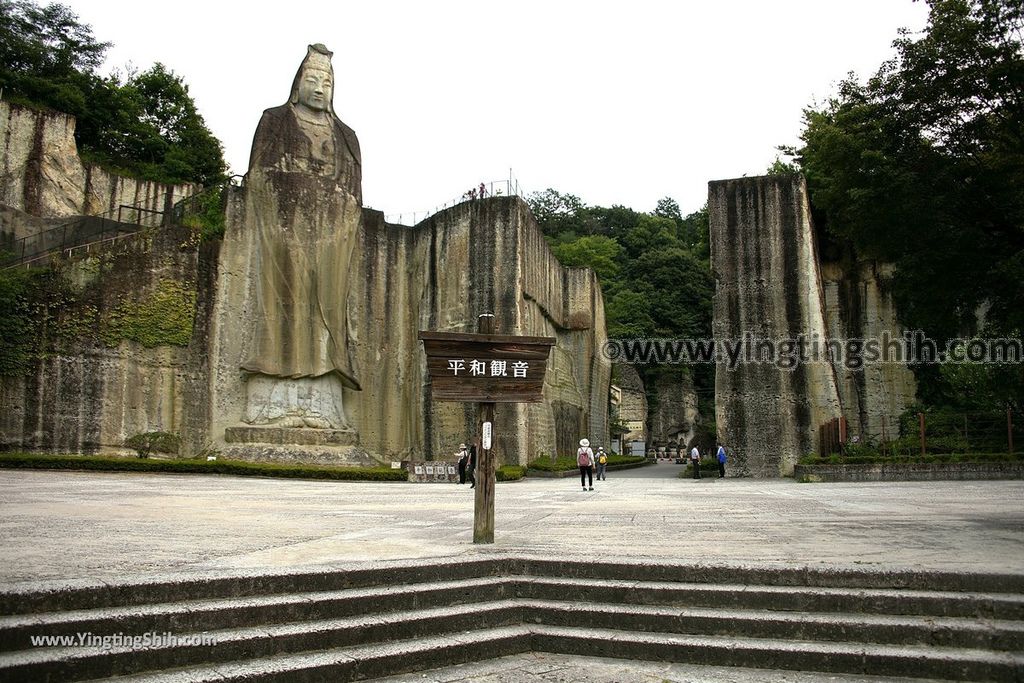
(370, 622)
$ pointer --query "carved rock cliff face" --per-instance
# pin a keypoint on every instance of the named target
(42, 174)
(480, 256)
(87, 394)
(768, 285)
(859, 307)
(675, 416)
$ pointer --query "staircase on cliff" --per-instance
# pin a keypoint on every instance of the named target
(399, 617)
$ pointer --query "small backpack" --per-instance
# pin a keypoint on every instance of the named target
(603, 459)
(582, 457)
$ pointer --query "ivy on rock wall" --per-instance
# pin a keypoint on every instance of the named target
(161, 318)
(41, 314)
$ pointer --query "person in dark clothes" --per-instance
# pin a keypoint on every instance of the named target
(471, 469)
(463, 455)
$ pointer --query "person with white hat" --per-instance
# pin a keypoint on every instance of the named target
(463, 455)
(585, 459)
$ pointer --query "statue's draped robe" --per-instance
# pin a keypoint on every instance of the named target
(304, 199)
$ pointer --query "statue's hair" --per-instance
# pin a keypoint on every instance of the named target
(316, 52)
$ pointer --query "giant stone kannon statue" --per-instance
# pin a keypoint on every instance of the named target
(304, 200)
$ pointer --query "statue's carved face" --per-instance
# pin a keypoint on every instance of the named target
(316, 89)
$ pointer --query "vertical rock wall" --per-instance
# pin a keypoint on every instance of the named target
(675, 415)
(86, 393)
(478, 257)
(859, 307)
(768, 286)
(42, 174)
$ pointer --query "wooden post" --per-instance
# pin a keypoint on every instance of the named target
(1009, 428)
(483, 503)
(920, 422)
(842, 435)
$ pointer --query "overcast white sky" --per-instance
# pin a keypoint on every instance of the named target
(617, 103)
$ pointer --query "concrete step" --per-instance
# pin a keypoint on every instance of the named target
(16, 632)
(832, 657)
(57, 596)
(780, 598)
(357, 662)
(881, 629)
(723, 579)
(399, 656)
(348, 623)
(266, 640)
(78, 663)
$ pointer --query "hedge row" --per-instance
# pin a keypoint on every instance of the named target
(565, 463)
(236, 467)
(878, 459)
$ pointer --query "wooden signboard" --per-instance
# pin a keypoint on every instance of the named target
(486, 368)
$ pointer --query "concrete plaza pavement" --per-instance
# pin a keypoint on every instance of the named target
(85, 526)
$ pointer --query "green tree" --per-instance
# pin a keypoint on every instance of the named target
(600, 253)
(923, 166)
(146, 125)
(47, 56)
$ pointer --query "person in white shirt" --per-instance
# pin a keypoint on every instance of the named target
(585, 459)
(695, 461)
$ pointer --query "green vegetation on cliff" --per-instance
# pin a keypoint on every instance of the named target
(143, 123)
(923, 166)
(654, 269)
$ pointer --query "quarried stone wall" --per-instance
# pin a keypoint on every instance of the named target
(768, 288)
(42, 174)
(859, 308)
(122, 351)
(478, 257)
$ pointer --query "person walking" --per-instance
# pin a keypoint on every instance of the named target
(721, 461)
(471, 468)
(695, 461)
(463, 456)
(602, 463)
(585, 459)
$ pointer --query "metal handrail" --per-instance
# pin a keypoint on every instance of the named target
(67, 235)
(492, 189)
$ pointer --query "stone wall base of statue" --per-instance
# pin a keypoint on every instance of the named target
(307, 402)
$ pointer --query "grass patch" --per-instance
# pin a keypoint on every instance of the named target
(236, 467)
(567, 463)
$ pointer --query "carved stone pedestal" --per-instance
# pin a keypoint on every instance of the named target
(296, 445)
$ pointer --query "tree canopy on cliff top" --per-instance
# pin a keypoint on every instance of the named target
(923, 166)
(145, 124)
(654, 269)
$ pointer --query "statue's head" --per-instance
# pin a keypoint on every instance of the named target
(313, 86)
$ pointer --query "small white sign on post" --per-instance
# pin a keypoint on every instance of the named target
(487, 436)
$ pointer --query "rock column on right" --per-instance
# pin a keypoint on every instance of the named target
(768, 292)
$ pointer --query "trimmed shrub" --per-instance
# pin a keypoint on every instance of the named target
(233, 467)
(509, 473)
(154, 442)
